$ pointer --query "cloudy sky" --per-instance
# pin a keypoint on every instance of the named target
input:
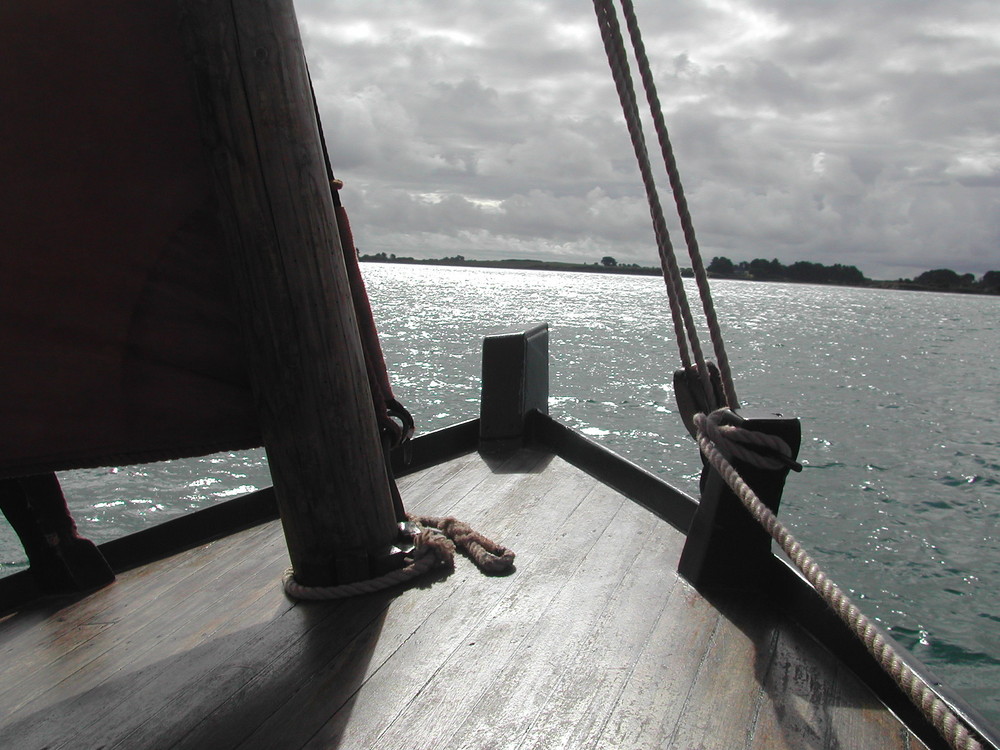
(863, 132)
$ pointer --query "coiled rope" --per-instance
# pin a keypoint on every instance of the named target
(434, 543)
(713, 440)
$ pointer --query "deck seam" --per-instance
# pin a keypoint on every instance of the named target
(125, 740)
(772, 649)
(121, 638)
(527, 568)
(671, 595)
(601, 625)
(485, 616)
(530, 461)
(623, 507)
(207, 636)
(702, 665)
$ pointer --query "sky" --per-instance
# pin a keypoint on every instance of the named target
(862, 132)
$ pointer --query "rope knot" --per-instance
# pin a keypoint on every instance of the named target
(488, 556)
(432, 542)
(755, 448)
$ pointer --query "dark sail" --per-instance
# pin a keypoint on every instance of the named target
(118, 338)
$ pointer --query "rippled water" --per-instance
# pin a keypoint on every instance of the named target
(897, 391)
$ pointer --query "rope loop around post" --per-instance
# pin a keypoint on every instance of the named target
(715, 439)
(934, 709)
(756, 448)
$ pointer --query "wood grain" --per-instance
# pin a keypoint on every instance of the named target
(300, 335)
(594, 642)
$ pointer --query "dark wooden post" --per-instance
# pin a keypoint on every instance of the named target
(515, 383)
(302, 345)
(726, 548)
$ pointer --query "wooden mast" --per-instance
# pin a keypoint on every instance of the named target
(301, 338)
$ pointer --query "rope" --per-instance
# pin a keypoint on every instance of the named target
(683, 212)
(937, 712)
(433, 547)
(488, 556)
(387, 408)
(758, 449)
(684, 329)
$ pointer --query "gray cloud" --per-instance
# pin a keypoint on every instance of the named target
(854, 132)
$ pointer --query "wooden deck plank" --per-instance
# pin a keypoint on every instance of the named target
(233, 708)
(157, 684)
(225, 701)
(433, 490)
(43, 623)
(128, 612)
(593, 642)
(809, 700)
(796, 696)
(128, 644)
(720, 706)
(587, 686)
(652, 701)
(263, 658)
(90, 684)
(510, 655)
(859, 720)
(400, 667)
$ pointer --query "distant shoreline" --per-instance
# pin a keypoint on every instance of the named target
(524, 264)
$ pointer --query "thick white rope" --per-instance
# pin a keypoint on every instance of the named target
(710, 432)
(432, 549)
(937, 712)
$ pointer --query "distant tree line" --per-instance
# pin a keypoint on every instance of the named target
(945, 278)
(382, 257)
(774, 270)
(607, 264)
(817, 273)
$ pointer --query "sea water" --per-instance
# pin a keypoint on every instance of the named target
(897, 392)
